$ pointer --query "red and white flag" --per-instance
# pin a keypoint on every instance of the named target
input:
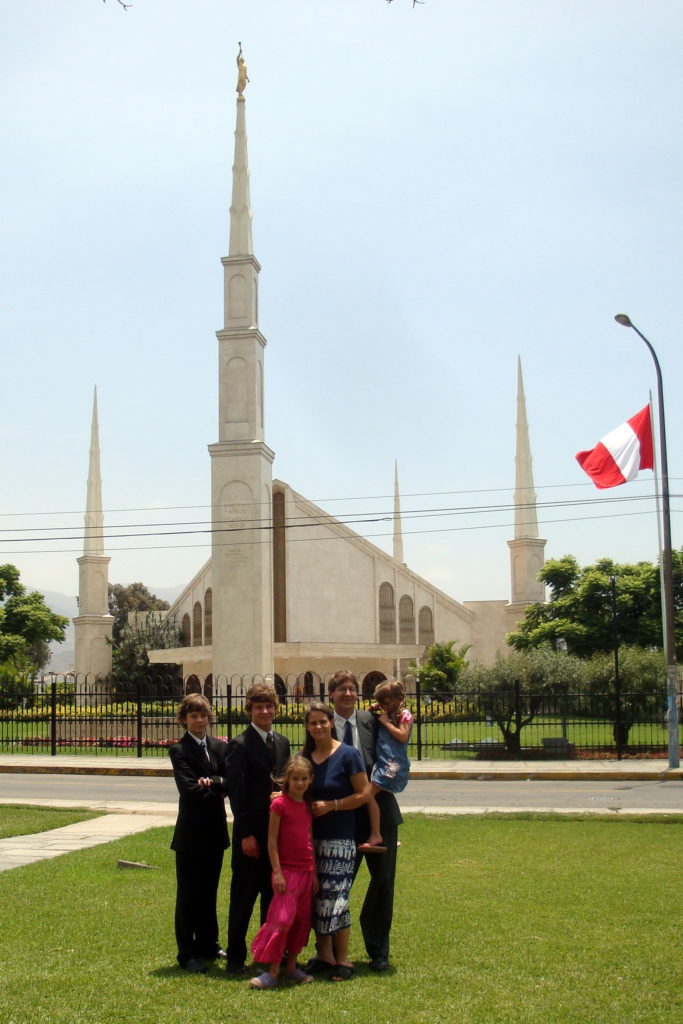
(622, 453)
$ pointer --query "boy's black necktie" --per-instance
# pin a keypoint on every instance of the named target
(270, 747)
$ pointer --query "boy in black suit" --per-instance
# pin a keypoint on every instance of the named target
(254, 758)
(201, 833)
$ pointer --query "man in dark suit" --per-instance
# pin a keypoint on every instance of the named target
(201, 833)
(359, 728)
(254, 758)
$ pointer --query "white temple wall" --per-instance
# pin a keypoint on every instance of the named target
(330, 589)
(488, 631)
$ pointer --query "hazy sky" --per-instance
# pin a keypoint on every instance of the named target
(436, 190)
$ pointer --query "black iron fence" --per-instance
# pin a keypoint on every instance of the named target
(65, 715)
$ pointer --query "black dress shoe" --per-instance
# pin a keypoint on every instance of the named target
(194, 966)
(234, 967)
(379, 964)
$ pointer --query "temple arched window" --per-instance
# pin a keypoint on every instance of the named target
(371, 680)
(208, 688)
(185, 631)
(192, 684)
(406, 620)
(197, 625)
(208, 617)
(425, 626)
(308, 684)
(280, 688)
(387, 614)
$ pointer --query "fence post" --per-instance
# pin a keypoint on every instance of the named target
(228, 694)
(138, 699)
(53, 717)
(418, 711)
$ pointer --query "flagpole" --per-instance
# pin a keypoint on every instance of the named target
(660, 545)
(669, 619)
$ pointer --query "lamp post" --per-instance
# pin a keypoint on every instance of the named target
(669, 623)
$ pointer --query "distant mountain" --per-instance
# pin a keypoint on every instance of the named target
(62, 659)
(63, 604)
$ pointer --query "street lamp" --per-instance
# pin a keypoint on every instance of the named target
(669, 623)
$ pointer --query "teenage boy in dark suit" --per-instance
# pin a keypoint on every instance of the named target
(201, 833)
(255, 757)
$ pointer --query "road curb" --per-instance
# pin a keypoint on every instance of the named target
(67, 769)
(518, 773)
(670, 774)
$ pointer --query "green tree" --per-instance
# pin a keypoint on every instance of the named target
(513, 690)
(133, 598)
(580, 606)
(643, 689)
(441, 669)
(130, 661)
(27, 626)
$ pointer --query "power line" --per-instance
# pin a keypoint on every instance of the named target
(306, 520)
(293, 540)
(350, 498)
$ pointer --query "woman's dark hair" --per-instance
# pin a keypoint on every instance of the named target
(309, 743)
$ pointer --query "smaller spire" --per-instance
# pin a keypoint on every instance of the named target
(398, 536)
(94, 518)
(526, 521)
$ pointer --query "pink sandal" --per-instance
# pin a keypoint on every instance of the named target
(264, 980)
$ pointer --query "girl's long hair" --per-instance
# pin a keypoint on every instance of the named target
(309, 742)
(296, 763)
(393, 689)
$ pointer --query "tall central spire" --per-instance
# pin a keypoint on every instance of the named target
(241, 462)
(241, 242)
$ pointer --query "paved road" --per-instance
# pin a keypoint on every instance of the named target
(452, 794)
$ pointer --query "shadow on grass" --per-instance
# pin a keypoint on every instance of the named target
(172, 971)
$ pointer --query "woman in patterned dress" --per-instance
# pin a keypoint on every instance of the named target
(340, 785)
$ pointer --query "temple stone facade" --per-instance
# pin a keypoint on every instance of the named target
(266, 604)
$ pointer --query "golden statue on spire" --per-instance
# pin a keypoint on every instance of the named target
(242, 76)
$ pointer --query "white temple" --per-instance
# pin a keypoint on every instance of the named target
(289, 590)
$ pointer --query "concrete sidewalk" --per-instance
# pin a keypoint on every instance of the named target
(20, 850)
(591, 771)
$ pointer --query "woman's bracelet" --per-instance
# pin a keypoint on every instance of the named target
(336, 805)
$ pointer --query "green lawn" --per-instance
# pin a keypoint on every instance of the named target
(22, 820)
(498, 921)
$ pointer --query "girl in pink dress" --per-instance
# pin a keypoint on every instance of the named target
(290, 849)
